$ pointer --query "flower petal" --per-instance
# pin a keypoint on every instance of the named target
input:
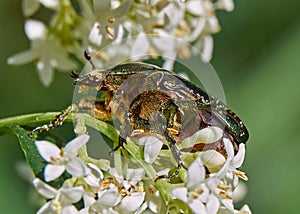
(73, 194)
(29, 7)
(44, 189)
(229, 147)
(207, 48)
(140, 47)
(110, 198)
(135, 174)
(238, 159)
(53, 171)
(228, 203)
(95, 35)
(23, 57)
(246, 208)
(51, 4)
(197, 207)
(213, 160)
(133, 202)
(213, 204)
(74, 145)
(69, 209)
(77, 168)
(152, 148)
(47, 208)
(196, 173)
(227, 5)
(195, 8)
(35, 29)
(180, 193)
(206, 135)
(45, 71)
(47, 150)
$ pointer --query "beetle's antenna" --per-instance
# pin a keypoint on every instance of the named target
(89, 59)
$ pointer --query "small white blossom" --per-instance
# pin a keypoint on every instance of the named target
(63, 159)
(115, 31)
(47, 51)
(61, 200)
(215, 193)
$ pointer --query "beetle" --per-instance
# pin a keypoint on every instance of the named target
(147, 98)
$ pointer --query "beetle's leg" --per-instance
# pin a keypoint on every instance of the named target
(126, 130)
(158, 127)
(90, 106)
(176, 154)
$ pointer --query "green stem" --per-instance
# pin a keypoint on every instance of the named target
(28, 119)
(36, 118)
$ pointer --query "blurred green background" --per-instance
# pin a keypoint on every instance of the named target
(257, 57)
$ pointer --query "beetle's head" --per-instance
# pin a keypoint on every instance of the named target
(93, 79)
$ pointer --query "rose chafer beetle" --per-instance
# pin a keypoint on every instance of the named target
(149, 99)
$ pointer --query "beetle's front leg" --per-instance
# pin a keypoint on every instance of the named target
(92, 107)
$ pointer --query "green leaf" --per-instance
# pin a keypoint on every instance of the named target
(33, 158)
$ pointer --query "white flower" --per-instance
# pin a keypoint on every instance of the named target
(63, 159)
(61, 200)
(212, 194)
(46, 50)
(133, 177)
(197, 195)
(120, 30)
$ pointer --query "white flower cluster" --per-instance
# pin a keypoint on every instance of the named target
(99, 193)
(118, 30)
(102, 189)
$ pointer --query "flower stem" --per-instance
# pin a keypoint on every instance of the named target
(36, 118)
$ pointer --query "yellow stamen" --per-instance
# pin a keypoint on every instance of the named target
(111, 20)
(110, 31)
(223, 187)
(62, 152)
(225, 195)
(241, 175)
(53, 159)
